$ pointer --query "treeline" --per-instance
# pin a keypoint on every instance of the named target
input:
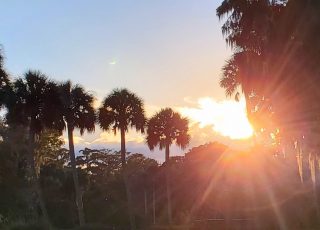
(210, 187)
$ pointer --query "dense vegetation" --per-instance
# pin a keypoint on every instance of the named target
(274, 185)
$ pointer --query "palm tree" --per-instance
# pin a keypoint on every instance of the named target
(28, 105)
(165, 128)
(120, 110)
(250, 28)
(76, 111)
(288, 54)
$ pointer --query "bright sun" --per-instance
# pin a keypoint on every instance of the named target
(226, 117)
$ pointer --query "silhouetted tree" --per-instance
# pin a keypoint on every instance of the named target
(248, 28)
(120, 110)
(76, 111)
(275, 65)
(28, 104)
(165, 128)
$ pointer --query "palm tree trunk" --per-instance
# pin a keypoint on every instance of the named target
(75, 176)
(168, 184)
(36, 187)
(42, 204)
(145, 202)
(129, 198)
(154, 202)
(123, 148)
(126, 179)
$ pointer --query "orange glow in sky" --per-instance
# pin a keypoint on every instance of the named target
(227, 117)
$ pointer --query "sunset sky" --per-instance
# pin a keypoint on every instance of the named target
(170, 53)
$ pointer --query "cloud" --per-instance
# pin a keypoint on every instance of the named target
(189, 100)
(76, 140)
(201, 135)
(109, 137)
(228, 118)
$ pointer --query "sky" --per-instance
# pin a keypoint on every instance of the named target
(169, 52)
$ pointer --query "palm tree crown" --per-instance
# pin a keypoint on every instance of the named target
(31, 100)
(120, 110)
(77, 107)
(167, 127)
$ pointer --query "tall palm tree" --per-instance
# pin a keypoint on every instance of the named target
(120, 110)
(28, 105)
(282, 34)
(250, 28)
(165, 128)
(76, 111)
